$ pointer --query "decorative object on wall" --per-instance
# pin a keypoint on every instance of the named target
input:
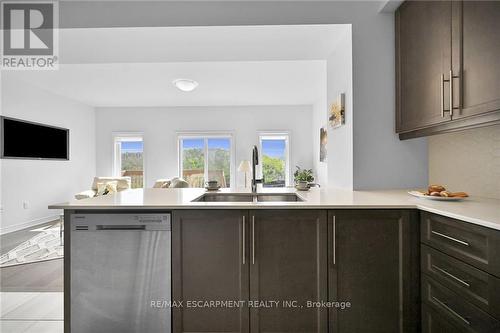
(323, 140)
(336, 115)
(245, 167)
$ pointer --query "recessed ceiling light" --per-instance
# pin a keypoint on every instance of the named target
(185, 84)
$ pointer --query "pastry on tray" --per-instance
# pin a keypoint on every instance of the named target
(440, 191)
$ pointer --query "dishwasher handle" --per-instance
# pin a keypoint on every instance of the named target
(117, 227)
(115, 221)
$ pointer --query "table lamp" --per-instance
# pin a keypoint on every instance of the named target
(245, 167)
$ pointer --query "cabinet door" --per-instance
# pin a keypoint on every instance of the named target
(423, 47)
(208, 251)
(476, 54)
(288, 262)
(374, 265)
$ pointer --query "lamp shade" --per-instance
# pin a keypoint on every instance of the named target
(245, 166)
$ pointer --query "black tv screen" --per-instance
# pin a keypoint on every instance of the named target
(28, 140)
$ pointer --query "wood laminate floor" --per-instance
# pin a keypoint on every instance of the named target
(44, 276)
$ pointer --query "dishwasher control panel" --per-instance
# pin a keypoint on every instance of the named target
(116, 221)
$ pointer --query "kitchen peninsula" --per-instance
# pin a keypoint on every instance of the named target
(392, 257)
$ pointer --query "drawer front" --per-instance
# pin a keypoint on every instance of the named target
(451, 307)
(480, 288)
(473, 244)
(432, 322)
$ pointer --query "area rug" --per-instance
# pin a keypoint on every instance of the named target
(45, 245)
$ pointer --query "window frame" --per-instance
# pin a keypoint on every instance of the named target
(205, 136)
(277, 134)
(116, 162)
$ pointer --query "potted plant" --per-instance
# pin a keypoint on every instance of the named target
(303, 177)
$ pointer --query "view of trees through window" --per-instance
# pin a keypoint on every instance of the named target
(274, 161)
(211, 153)
(131, 155)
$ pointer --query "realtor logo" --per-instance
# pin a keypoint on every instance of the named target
(29, 35)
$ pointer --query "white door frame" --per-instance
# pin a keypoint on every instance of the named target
(205, 135)
(116, 167)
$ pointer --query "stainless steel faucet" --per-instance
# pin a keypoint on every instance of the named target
(255, 162)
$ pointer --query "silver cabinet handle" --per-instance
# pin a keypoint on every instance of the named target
(450, 80)
(451, 93)
(243, 246)
(334, 241)
(451, 276)
(253, 239)
(450, 238)
(456, 314)
(442, 95)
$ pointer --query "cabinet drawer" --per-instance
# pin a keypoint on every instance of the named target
(480, 288)
(473, 244)
(451, 307)
(432, 322)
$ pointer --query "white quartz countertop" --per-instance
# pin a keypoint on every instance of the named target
(481, 211)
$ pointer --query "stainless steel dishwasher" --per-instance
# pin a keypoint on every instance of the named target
(120, 273)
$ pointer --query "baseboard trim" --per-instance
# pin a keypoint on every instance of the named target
(32, 223)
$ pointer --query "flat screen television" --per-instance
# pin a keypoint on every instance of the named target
(28, 140)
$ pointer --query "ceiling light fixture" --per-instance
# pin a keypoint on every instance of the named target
(185, 84)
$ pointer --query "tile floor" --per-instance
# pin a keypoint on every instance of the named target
(33, 312)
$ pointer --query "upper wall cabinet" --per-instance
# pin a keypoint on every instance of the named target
(447, 67)
(476, 56)
(425, 55)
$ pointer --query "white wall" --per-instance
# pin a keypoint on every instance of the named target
(380, 159)
(340, 143)
(40, 183)
(160, 127)
(319, 120)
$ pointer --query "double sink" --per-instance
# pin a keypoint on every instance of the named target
(249, 197)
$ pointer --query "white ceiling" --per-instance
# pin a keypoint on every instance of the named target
(190, 44)
(243, 65)
(221, 83)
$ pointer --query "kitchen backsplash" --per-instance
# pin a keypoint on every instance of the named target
(467, 161)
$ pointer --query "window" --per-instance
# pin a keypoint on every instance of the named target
(206, 157)
(129, 158)
(275, 159)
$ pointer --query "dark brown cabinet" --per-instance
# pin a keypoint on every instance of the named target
(473, 244)
(373, 264)
(288, 262)
(447, 69)
(296, 269)
(208, 248)
(460, 269)
(477, 60)
(256, 257)
(452, 309)
(432, 322)
(472, 284)
(424, 43)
